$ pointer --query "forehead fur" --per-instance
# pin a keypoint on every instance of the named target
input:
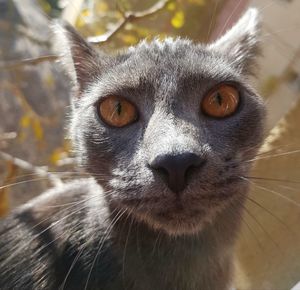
(235, 52)
(166, 47)
(164, 61)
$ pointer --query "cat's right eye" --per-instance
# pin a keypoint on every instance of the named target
(117, 111)
(222, 102)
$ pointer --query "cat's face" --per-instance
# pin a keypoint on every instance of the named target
(161, 154)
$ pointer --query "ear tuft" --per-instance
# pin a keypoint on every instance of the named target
(79, 59)
(241, 43)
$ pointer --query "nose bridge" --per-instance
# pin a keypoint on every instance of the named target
(173, 150)
(167, 135)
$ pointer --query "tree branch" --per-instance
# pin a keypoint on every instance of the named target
(27, 61)
(127, 16)
(21, 29)
(7, 136)
(28, 166)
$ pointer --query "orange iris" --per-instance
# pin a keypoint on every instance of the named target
(221, 102)
(117, 111)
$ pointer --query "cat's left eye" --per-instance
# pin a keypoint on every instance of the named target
(117, 111)
(221, 102)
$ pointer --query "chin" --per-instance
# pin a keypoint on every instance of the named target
(177, 221)
(189, 215)
(174, 225)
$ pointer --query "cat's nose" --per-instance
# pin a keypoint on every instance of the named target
(176, 167)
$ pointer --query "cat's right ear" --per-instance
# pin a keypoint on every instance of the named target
(81, 61)
(241, 44)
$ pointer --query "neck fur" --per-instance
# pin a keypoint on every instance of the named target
(158, 261)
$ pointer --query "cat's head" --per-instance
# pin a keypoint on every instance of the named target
(167, 127)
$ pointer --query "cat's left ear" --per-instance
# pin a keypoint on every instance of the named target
(241, 43)
(80, 60)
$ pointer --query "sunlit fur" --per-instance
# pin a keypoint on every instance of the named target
(131, 231)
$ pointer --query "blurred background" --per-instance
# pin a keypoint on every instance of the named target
(34, 95)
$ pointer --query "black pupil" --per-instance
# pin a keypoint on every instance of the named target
(119, 108)
(218, 99)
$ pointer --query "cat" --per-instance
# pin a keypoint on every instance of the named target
(165, 129)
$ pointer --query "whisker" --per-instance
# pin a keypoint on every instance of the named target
(76, 259)
(276, 148)
(67, 175)
(292, 189)
(229, 18)
(271, 214)
(275, 155)
(48, 244)
(62, 286)
(156, 242)
(272, 179)
(23, 182)
(253, 233)
(268, 5)
(263, 229)
(272, 191)
(66, 209)
(101, 243)
(44, 230)
(105, 194)
(212, 19)
(275, 33)
(51, 172)
(38, 251)
(126, 244)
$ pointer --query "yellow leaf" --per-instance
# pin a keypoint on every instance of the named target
(178, 20)
(80, 22)
(143, 32)
(95, 28)
(45, 6)
(85, 13)
(25, 121)
(49, 80)
(162, 36)
(9, 178)
(198, 2)
(55, 156)
(129, 39)
(22, 136)
(3, 202)
(171, 6)
(269, 86)
(101, 7)
(37, 129)
(67, 146)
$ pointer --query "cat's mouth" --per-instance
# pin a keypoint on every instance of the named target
(185, 214)
(177, 219)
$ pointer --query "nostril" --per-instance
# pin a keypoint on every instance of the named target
(190, 170)
(162, 172)
(176, 168)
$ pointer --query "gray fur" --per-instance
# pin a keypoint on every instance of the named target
(161, 240)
